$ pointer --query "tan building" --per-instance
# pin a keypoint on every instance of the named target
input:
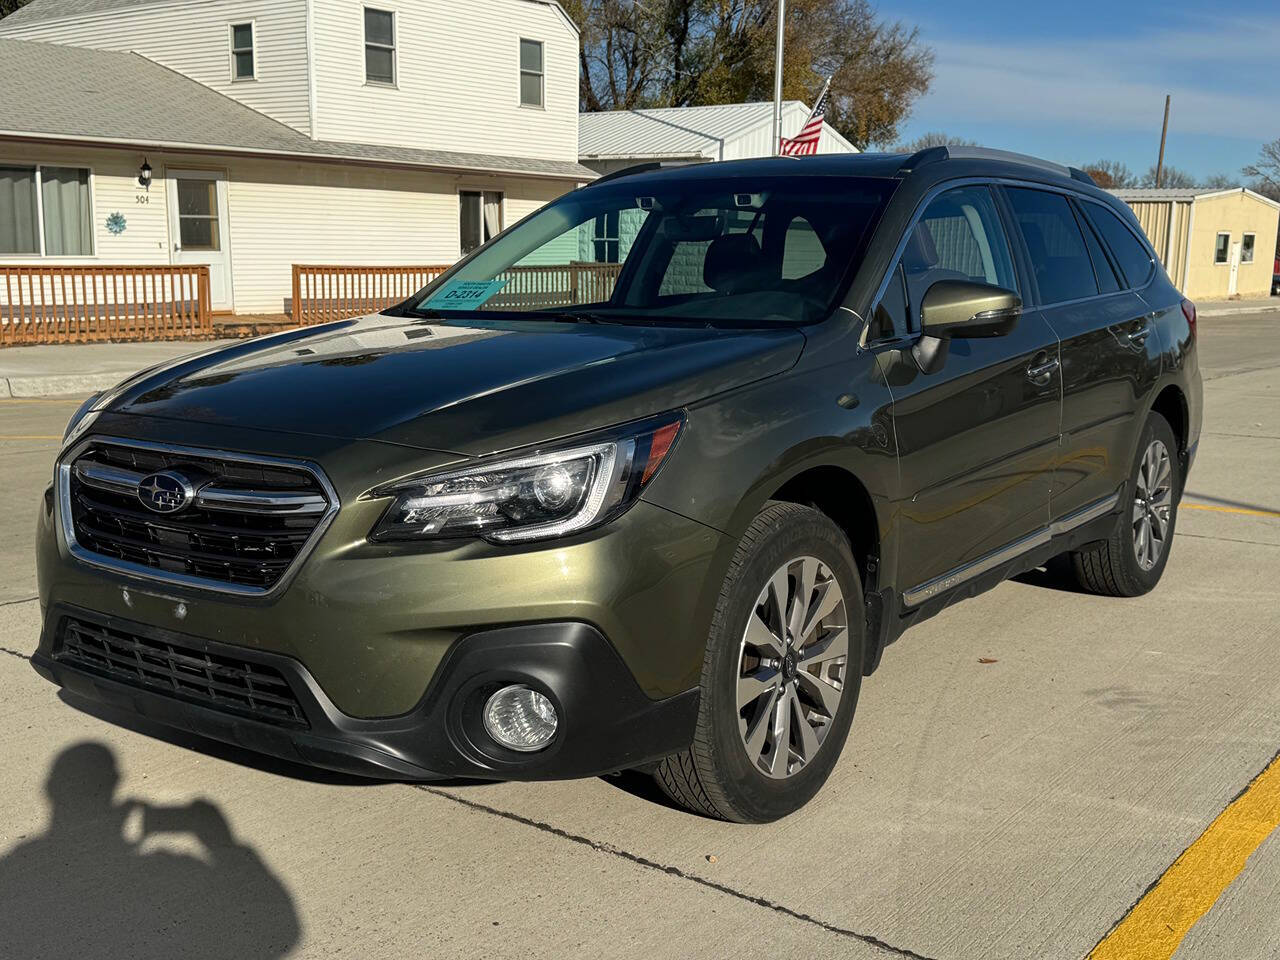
(1215, 244)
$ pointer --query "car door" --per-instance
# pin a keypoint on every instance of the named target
(1110, 356)
(976, 437)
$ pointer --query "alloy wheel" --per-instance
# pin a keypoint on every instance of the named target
(791, 669)
(1152, 505)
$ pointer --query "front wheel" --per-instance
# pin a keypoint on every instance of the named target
(1131, 561)
(781, 675)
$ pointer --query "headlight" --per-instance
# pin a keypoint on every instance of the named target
(531, 497)
(80, 420)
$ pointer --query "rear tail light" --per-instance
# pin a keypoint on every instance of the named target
(1189, 311)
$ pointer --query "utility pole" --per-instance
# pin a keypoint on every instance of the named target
(1164, 132)
(777, 79)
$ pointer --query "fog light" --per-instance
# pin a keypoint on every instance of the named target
(520, 719)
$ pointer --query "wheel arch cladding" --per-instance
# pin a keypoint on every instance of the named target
(844, 498)
(1171, 403)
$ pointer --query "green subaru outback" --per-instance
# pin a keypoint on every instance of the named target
(648, 481)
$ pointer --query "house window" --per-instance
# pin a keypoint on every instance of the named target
(605, 238)
(242, 51)
(480, 218)
(530, 73)
(1246, 248)
(1221, 248)
(379, 46)
(19, 218)
(57, 196)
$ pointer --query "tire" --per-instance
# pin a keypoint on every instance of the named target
(734, 769)
(1113, 567)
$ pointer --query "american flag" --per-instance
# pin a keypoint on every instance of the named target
(805, 143)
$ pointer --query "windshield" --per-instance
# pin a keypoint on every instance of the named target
(735, 249)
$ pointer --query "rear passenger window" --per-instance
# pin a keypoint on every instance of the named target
(1130, 254)
(1108, 282)
(959, 237)
(1055, 245)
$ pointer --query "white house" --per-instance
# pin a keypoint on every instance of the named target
(276, 132)
(610, 141)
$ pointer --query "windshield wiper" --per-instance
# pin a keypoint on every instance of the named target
(569, 316)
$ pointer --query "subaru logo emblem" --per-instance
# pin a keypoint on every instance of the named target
(165, 492)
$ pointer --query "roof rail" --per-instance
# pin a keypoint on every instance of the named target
(627, 172)
(935, 154)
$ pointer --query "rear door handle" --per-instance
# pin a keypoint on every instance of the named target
(1139, 336)
(1039, 373)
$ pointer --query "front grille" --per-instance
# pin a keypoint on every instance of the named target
(229, 684)
(245, 525)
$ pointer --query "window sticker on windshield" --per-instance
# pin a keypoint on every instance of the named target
(465, 294)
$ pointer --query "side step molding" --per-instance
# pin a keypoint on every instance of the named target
(1002, 555)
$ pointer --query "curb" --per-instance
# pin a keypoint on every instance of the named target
(17, 388)
(1260, 307)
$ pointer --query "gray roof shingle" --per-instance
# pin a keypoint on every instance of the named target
(63, 92)
(39, 11)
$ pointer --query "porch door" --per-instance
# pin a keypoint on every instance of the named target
(1233, 280)
(198, 228)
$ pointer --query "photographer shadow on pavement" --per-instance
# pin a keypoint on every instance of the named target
(106, 881)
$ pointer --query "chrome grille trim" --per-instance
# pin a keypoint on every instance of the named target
(120, 481)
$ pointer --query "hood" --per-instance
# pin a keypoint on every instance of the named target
(462, 386)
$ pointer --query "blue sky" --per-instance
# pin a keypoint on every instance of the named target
(1087, 80)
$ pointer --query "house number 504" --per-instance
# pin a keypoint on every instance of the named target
(142, 198)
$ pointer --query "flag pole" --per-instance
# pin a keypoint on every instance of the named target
(777, 79)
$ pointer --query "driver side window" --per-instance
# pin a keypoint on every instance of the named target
(959, 237)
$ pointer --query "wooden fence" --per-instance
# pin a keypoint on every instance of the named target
(53, 304)
(325, 293)
(322, 293)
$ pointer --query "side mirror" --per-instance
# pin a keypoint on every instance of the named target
(955, 309)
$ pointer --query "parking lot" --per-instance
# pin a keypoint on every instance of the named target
(1023, 771)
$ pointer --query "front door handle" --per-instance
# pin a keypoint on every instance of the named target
(1039, 371)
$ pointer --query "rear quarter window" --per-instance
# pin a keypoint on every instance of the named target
(1129, 253)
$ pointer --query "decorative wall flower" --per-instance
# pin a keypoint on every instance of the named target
(116, 224)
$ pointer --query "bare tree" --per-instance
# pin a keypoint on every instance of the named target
(1220, 181)
(1111, 174)
(1170, 179)
(1265, 171)
(934, 138)
(672, 53)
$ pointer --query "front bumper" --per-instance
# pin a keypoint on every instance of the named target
(365, 631)
(606, 721)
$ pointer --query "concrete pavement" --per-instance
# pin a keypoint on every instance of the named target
(1011, 809)
(78, 368)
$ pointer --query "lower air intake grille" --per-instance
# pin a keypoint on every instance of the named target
(224, 683)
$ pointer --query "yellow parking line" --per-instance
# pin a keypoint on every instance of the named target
(28, 436)
(1241, 510)
(1156, 925)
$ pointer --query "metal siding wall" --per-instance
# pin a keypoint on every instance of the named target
(1177, 265)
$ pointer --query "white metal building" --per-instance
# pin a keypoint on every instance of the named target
(621, 138)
